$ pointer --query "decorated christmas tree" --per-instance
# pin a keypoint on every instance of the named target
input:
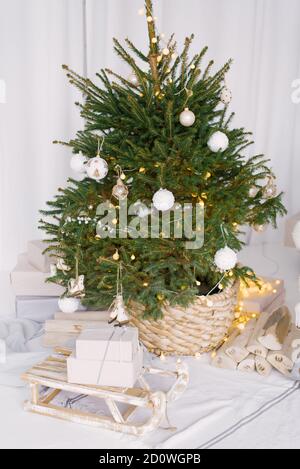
(156, 141)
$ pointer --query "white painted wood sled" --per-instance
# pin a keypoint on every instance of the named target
(52, 374)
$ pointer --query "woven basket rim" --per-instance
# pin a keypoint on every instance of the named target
(222, 294)
(215, 297)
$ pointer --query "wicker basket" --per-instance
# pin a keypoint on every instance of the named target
(186, 331)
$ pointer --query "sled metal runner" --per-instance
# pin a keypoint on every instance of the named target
(52, 374)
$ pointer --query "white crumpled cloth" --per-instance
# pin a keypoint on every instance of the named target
(17, 332)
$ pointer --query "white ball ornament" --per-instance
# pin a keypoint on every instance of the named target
(163, 200)
(187, 118)
(68, 305)
(225, 259)
(218, 141)
(96, 168)
(253, 191)
(133, 79)
(78, 162)
(296, 235)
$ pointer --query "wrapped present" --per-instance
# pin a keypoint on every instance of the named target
(289, 227)
(38, 308)
(64, 329)
(36, 257)
(115, 358)
(105, 373)
(26, 280)
(253, 299)
(108, 343)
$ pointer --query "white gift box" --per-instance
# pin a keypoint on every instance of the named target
(108, 343)
(39, 308)
(26, 280)
(106, 356)
(36, 257)
(36, 308)
(105, 373)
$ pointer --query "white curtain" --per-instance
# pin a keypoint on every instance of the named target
(37, 36)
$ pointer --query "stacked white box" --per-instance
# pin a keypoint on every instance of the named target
(107, 356)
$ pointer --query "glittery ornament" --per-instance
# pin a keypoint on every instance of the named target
(120, 190)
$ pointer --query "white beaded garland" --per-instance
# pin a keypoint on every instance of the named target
(96, 168)
(77, 163)
(163, 200)
(218, 141)
(68, 305)
(225, 259)
(187, 117)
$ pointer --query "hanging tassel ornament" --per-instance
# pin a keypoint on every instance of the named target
(120, 190)
(117, 309)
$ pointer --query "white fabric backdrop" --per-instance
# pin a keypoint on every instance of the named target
(37, 36)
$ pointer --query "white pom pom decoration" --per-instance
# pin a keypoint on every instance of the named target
(297, 314)
(133, 79)
(77, 163)
(96, 168)
(296, 235)
(163, 200)
(225, 259)
(218, 141)
(68, 305)
(187, 118)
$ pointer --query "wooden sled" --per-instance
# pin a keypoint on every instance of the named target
(52, 374)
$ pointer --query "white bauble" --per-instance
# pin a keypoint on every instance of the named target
(225, 259)
(253, 191)
(133, 79)
(296, 235)
(163, 200)
(218, 141)
(225, 95)
(77, 163)
(187, 117)
(68, 305)
(96, 168)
